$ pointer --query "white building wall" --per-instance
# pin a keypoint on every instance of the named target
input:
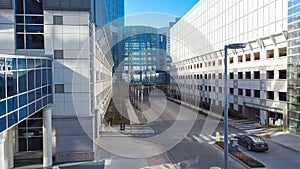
(199, 39)
(7, 31)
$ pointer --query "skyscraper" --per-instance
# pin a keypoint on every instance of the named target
(115, 11)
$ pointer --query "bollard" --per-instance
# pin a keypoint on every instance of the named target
(218, 137)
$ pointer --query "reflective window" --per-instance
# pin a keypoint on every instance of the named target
(34, 41)
(31, 80)
(22, 77)
(34, 19)
(12, 104)
(11, 83)
(57, 20)
(38, 78)
(21, 63)
(2, 108)
(33, 7)
(2, 124)
(23, 113)
(12, 118)
(2, 85)
(31, 96)
(22, 100)
(19, 7)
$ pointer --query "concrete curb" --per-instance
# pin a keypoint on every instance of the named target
(236, 159)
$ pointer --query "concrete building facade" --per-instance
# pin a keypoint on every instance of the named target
(257, 84)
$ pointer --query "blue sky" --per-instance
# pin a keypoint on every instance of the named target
(167, 9)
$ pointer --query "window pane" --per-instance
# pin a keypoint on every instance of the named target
(12, 118)
(57, 20)
(2, 85)
(35, 143)
(44, 77)
(31, 96)
(34, 19)
(59, 88)
(35, 28)
(38, 78)
(21, 63)
(19, 7)
(20, 41)
(12, 104)
(2, 124)
(34, 7)
(20, 19)
(34, 41)
(23, 113)
(38, 94)
(11, 83)
(20, 28)
(23, 99)
(2, 108)
(30, 63)
(22, 76)
(31, 80)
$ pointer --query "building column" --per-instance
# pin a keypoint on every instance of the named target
(8, 149)
(2, 161)
(47, 136)
(263, 117)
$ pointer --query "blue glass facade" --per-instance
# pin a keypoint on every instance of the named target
(115, 11)
(25, 87)
(143, 57)
(294, 66)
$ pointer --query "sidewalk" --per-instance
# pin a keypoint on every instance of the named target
(287, 139)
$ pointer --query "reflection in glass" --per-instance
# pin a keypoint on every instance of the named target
(21, 63)
(2, 124)
(35, 41)
(35, 28)
(11, 83)
(38, 77)
(12, 104)
(2, 108)
(33, 7)
(12, 118)
(2, 84)
(34, 19)
(22, 77)
(23, 113)
(31, 80)
(20, 41)
(19, 7)
(23, 100)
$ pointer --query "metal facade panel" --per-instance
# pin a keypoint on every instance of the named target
(6, 4)
(69, 5)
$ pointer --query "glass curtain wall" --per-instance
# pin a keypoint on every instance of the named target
(294, 66)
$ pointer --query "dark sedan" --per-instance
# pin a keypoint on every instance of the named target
(253, 142)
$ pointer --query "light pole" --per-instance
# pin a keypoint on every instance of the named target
(226, 47)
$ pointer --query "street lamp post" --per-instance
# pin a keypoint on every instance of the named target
(226, 47)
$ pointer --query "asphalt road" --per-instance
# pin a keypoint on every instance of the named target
(196, 150)
(188, 153)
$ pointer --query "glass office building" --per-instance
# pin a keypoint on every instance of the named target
(25, 87)
(144, 56)
(294, 66)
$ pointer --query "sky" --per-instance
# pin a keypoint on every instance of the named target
(140, 12)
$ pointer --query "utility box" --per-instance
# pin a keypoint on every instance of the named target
(122, 126)
(234, 145)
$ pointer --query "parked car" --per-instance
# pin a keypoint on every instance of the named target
(253, 142)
